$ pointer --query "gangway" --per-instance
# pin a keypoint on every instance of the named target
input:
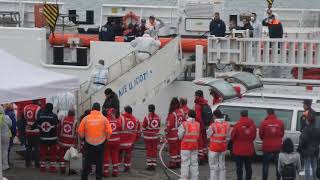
(264, 52)
(136, 82)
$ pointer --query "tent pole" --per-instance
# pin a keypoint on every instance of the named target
(77, 94)
(1, 174)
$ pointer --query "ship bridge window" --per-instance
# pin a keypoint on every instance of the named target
(256, 114)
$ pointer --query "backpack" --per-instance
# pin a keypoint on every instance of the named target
(288, 171)
(206, 114)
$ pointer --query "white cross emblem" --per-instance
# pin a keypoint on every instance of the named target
(154, 123)
(113, 126)
(130, 125)
(67, 128)
(46, 127)
(29, 114)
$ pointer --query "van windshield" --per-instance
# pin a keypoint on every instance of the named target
(300, 113)
(256, 114)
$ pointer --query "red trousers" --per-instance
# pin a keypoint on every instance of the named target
(52, 151)
(61, 153)
(174, 151)
(152, 151)
(203, 145)
(111, 153)
(126, 154)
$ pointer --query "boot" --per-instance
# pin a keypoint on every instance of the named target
(115, 174)
(149, 168)
(63, 170)
(52, 167)
(153, 168)
(172, 165)
(106, 174)
(42, 167)
(126, 169)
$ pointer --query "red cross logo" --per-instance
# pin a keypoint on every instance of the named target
(67, 128)
(46, 127)
(154, 123)
(113, 126)
(130, 125)
(29, 114)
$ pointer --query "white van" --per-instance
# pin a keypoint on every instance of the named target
(289, 111)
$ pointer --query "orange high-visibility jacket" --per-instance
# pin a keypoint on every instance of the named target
(95, 128)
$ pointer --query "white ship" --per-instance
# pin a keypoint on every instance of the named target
(155, 80)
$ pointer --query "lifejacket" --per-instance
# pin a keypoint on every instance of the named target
(116, 129)
(30, 113)
(275, 21)
(67, 132)
(191, 135)
(218, 139)
(153, 127)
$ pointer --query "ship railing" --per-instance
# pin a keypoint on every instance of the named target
(264, 52)
(115, 71)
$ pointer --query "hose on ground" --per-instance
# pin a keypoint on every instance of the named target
(164, 165)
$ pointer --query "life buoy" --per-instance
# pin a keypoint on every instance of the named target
(131, 17)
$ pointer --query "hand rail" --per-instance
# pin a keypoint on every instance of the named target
(109, 75)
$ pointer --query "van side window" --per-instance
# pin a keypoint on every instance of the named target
(300, 114)
(256, 114)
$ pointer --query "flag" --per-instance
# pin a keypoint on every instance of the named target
(270, 2)
(51, 13)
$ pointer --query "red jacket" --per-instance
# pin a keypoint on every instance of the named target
(151, 126)
(242, 136)
(185, 110)
(172, 128)
(130, 130)
(67, 131)
(271, 132)
(30, 113)
(198, 108)
(116, 126)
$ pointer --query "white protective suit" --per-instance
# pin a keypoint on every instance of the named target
(154, 28)
(145, 46)
(257, 28)
(62, 103)
(5, 124)
(189, 159)
(98, 78)
(216, 160)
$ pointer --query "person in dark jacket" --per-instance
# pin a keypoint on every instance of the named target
(111, 101)
(274, 26)
(9, 111)
(271, 132)
(242, 136)
(217, 26)
(308, 114)
(247, 25)
(47, 123)
(107, 32)
(117, 29)
(309, 148)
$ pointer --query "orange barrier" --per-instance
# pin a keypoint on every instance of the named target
(313, 73)
(188, 44)
(60, 39)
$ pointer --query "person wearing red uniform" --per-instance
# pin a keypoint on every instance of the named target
(172, 133)
(242, 136)
(151, 128)
(271, 132)
(184, 107)
(66, 137)
(112, 147)
(203, 141)
(189, 133)
(129, 135)
(218, 132)
(47, 123)
(30, 114)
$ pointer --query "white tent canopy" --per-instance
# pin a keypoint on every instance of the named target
(21, 81)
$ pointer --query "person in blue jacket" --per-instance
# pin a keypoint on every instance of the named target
(217, 26)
